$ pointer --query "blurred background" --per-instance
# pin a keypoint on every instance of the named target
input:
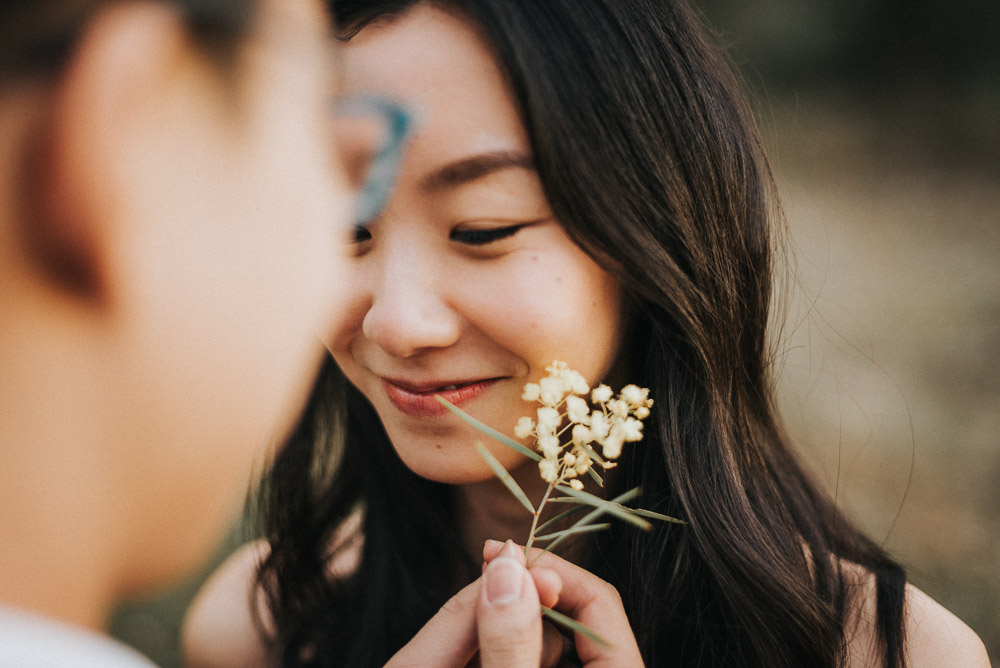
(883, 123)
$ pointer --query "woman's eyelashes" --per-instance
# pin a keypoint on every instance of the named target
(469, 237)
(482, 237)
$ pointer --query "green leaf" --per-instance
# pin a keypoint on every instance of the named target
(615, 509)
(505, 477)
(560, 516)
(627, 496)
(574, 530)
(591, 516)
(596, 476)
(591, 453)
(574, 626)
(489, 431)
(656, 516)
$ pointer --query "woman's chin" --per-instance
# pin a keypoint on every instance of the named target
(452, 474)
(465, 468)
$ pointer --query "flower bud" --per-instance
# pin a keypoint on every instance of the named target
(549, 446)
(577, 409)
(525, 426)
(581, 434)
(601, 394)
(531, 392)
(548, 470)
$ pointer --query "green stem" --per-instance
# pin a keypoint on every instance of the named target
(537, 514)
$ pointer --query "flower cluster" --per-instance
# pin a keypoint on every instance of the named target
(610, 423)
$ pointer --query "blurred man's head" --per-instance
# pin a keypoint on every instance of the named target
(170, 230)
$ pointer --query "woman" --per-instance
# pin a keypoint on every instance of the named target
(586, 185)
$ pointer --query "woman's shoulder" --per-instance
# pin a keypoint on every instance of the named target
(934, 636)
(223, 627)
(227, 623)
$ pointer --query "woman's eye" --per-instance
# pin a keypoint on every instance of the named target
(361, 234)
(476, 237)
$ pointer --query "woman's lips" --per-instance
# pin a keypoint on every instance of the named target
(421, 403)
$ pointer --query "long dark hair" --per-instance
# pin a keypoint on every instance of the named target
(651, 161)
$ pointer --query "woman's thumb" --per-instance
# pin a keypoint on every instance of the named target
(508, 617)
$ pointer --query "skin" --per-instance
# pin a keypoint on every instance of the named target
(427, 308)
(207, 224)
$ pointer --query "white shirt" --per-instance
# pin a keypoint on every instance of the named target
(28, 640)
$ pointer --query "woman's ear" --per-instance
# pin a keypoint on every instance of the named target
(75, 182)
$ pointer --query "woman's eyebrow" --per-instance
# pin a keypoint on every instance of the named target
(475, 167)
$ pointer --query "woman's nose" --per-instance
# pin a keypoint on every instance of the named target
(409, 312)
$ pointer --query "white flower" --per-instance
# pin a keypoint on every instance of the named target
(556, 368)
(631, 429)
(551, 390)
(577, 409)
(610, 426)
(525, 426)
(577, 383)
(601, 394)
(634, 395)
(549, 470)
(548, 420)
(549, 447)
(613, 445)
(582, 434)
(599, 425)
(618, 407)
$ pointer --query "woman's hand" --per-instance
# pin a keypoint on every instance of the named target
(589, 600)
(498, 615)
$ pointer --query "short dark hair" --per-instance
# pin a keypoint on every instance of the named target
(37, 36)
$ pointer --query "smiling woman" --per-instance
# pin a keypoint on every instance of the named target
(466, 284)
(583, 183)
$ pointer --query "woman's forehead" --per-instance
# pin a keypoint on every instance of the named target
(426, 55)
(442, 71)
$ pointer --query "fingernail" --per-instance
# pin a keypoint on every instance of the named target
(504, 581)
(510, 551)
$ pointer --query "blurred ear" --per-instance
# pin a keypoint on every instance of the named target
(126, 54)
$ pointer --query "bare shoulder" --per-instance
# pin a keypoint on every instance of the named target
(227, 623)
(934, 636)
(220, 629)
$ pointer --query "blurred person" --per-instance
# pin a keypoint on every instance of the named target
(172, 229)
(173, 223)
(586, 184)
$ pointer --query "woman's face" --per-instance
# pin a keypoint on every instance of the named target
(466, 286)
